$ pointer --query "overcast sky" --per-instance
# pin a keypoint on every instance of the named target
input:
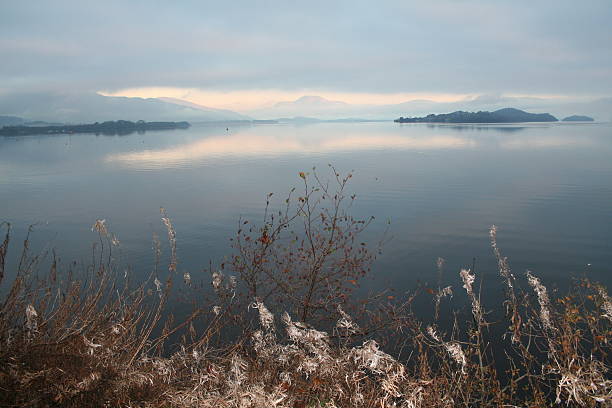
(340, 49)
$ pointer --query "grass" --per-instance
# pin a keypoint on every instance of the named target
(90, 337)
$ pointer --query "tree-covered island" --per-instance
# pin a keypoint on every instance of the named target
(118, 127)
(578, 118)
(506, 115)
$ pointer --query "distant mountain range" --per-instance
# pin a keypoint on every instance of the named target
(506, 115)
(325, 109)
(310, 106)
(309, 101)
(17, 121)
(52, 108)
(92, 107)
(223, 114)
(11, 121)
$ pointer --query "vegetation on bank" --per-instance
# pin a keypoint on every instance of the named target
(119, 127)
(280, 326)
(506, 115)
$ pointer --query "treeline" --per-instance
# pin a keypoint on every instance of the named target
(118, 127)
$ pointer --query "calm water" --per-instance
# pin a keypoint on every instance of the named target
(547, 187)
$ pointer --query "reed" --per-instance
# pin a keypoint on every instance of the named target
(283, 328)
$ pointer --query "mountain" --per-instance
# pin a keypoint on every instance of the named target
(230, 115)
(578, 118)
(69, 107)
(305, 106)
(73, 107)
(309, 101)
(11, 121)
(322, 108)
(506, 115)
(600, 108)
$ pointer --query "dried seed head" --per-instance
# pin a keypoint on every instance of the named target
(91, 345)
(171, 239)
(346, 322)
(232, 283)
(100, 227)
(217, 279)
(237, 371)
(265, 317)
(158, 286)
(434, 335)
(452, 348)
(31, 315)
(371, 357)
(468, 280)
(543, 300)
(606, 305)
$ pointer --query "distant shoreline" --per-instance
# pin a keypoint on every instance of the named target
(119, 127)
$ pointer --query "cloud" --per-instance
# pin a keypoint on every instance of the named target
(466, 47)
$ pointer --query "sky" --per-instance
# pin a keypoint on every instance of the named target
(244, 55)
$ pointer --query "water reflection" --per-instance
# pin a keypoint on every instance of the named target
(281, 140)
(542, 142)
(547, 187)
(472, 127)
(250, 144)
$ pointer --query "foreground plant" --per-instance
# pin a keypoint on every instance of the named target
(306, 257)
(89, 337)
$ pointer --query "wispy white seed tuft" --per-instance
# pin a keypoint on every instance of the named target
(452, 348)
(606, 305)
(31, 315)
(346, 322)
(468, 281)
(100, 227)
(265, 317)
(158, 286)
(91, 345)
(543, 300)
(217, 279)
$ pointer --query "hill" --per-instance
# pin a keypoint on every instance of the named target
(11, 121)
(89, 107)
(310, 101)
(506, 115)
(228, 114)
(307, 106)
(578, 118)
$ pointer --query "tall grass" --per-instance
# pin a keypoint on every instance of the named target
(284, 329)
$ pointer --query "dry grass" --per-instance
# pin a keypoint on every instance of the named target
(92, 338)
